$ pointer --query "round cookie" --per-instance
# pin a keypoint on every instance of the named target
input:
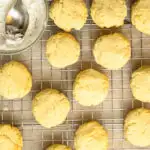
(140, 84)
(91, 136)
(62, 50)
(108, 13)
(112, 51)
(10, 138)
(137, 127)
(90, 87)
(140, 15)
(69, 14)
(58, 147)
(50, 107)
(15, 80)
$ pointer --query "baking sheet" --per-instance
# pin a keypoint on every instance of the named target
(110, 113)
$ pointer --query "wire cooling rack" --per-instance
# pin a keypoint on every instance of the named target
(110, 113)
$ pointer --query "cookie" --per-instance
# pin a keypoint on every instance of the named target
(10, 138)
(140, 16)
(90, 87)
(62, 50)
(140, 84)
(58, 147)
(112, 51)
(15, 80)
(50, 108)
(68, 14)
(137, 127)
(91, 136)
(108, 13)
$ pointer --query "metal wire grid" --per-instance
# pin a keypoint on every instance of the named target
(110, 113)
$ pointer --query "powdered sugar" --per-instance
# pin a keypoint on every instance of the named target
(37, 17)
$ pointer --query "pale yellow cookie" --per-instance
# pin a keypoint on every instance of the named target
(91, 136)
(112, 51)
(15, 80)
(109, 13)
(69, 14)
(140, 15)
(50, 107)
(137, 127)
(62, 50)
(90, 87)
(140, 84)
(58, 147)
(10, 138)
